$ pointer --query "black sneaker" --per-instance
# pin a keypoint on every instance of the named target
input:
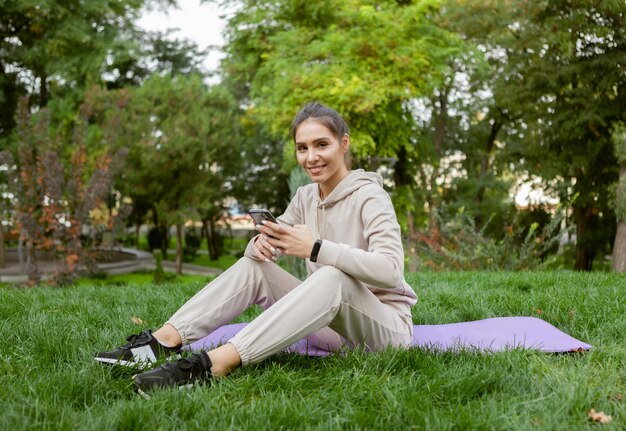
(140, 350)
(183, 372)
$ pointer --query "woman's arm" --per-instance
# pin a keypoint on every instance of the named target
(382, 264)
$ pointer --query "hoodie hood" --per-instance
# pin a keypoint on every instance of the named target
(350, 184)
(354, 181)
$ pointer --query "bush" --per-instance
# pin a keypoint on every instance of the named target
(128, 240)
(459, 245)
(156, 235)
(160, 276)
(192, 245)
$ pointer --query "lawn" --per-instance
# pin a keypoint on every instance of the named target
(50, 381)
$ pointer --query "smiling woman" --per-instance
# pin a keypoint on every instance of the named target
(322, 146)
(344, 226)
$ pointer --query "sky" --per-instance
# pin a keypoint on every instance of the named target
(199, 23)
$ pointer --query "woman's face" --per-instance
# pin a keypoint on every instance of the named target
(321, 154)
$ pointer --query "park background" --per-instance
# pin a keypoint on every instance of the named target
(497, 126)
(499, 130)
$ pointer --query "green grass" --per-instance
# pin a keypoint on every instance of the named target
(232, 247)
(224, 262)
(138, 278)
(49, 380)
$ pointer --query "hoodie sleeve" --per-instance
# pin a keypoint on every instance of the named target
(382, 264)
(290, 217)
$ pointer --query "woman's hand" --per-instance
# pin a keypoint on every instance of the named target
(263, 249)
(295, 241)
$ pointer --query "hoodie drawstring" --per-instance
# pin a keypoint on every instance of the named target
(320, 235)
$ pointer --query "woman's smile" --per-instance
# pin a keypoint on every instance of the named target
(316, 170)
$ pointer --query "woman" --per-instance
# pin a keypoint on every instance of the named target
(345, 226)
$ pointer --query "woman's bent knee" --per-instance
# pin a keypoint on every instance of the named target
(328, 272)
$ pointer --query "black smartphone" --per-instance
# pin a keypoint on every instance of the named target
(259, 215)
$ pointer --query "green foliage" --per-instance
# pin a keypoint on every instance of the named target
(155, 239)
(619, 146)
(52, 382)
(53, 48)
(182, 138)
(192, 244)
(294, 265)
(554, 70)
(159, 276)
(297, 178)
(459, 245)
(366, 60)
(55, 201)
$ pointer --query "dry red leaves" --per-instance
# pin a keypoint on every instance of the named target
(599, 417)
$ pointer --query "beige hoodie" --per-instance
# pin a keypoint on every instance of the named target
(360, 233)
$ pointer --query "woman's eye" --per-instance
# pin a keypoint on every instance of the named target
(300, 148)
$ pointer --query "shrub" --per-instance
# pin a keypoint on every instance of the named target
(459, 245)
(160, 276)
(192, 245)
(155, 241)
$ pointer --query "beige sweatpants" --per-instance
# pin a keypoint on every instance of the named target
(294, 309)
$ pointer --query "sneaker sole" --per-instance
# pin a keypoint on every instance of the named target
(123, 363)
(147, 396)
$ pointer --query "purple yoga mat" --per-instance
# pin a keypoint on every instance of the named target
(489, 335)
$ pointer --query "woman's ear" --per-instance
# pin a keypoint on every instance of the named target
(345, 142)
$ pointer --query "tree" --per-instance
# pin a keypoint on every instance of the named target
(60, 47)
(183, 147)
(59, 43)
(562, 84)
(368, 60)
(53, 201)
(140, 55)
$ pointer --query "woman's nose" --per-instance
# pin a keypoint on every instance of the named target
(313, 154)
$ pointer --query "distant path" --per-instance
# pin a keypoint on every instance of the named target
(132, 261)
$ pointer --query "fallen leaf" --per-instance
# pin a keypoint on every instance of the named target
(137, 321)
(539, 311)
(600, 417)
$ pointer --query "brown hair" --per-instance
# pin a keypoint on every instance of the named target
(328, 118)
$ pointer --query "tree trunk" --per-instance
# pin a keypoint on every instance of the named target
(163, 230)
(215, 245)
(137, 228)
(403, 180)
(2, 263)
(619, 246)
(43, 88)
(212, 238)
(204, 233)
(584, 251)
(179, 248)
(31, 263)
(484, 160)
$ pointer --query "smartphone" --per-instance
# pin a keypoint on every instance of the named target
(259, 215)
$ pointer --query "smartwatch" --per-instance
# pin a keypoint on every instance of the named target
(316, 250)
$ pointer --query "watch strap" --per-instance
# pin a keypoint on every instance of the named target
(315, 251)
